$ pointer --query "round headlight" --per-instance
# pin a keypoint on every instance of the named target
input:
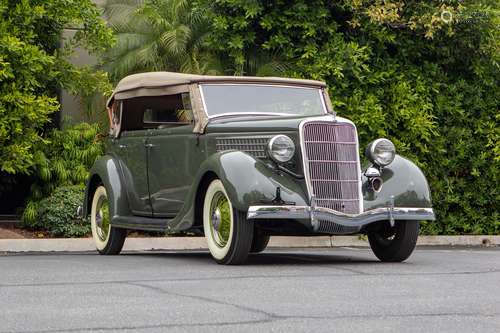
(281, 148)
(381, 152)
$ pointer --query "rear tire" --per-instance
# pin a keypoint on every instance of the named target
(228, 233)
(259, 242)
(108, 240)
(394, 244)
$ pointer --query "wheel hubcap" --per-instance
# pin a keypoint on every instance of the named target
(220, 219)
(216, 219)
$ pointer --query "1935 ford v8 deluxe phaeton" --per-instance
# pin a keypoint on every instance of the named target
(240, 159)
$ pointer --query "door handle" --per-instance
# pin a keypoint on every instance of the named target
(122, 146)
(149, 145)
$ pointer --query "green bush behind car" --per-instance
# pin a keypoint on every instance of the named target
(57, 213)
(60, 171)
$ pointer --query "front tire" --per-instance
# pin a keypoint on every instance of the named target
(259, 242)
(394, 244)
(228, 233)
(108, 240)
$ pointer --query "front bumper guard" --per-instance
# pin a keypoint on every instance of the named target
(315, 214)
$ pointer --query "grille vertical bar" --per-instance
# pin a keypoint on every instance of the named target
(331, 156)
(253, 145)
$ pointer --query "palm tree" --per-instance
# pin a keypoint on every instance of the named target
(153, 35)
(171, 35)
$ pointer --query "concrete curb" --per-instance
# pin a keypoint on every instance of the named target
(198, 243)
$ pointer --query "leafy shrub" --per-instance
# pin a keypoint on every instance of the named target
(63, 159)
(401, 71)
(57, 213)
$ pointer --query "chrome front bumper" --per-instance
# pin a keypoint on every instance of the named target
(348, 220)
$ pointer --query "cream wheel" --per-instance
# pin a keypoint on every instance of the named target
(229, 235)
(108, 240)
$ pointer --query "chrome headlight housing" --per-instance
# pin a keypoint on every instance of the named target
(281, 148)
(381, 152)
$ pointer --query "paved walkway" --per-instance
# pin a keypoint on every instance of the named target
(197, 243)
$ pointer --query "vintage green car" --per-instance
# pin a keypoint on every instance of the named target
(240, 159)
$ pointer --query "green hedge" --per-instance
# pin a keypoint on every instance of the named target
(398, 70)
(57, 213)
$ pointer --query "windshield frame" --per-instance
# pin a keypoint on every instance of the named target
(221, 115)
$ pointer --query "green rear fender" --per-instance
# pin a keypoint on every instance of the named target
(106, 171)
(404, 183)
(250, 181)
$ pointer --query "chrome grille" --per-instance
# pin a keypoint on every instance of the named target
(253, 145)
(332, 162)
(333, 228)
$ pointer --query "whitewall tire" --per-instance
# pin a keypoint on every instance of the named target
(107, 239)
(229, 235)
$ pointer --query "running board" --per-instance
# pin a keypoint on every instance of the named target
(140, 223)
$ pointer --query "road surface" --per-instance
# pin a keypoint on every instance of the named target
(322, 290)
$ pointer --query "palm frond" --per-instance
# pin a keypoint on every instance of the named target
(176, 40)
(115, 10)
(158, 35)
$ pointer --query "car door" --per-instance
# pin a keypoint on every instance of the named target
(131, 149)
(173, 152)
(129, 145)
(174, 159)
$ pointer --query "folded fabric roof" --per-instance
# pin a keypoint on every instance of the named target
(155, 83)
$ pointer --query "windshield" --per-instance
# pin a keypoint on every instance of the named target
(234, 99)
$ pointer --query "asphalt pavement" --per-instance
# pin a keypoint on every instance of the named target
(320, 290)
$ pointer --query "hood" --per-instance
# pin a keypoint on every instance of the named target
(247, 123)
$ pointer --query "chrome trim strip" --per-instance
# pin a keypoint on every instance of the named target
(296, 86)
(321, 213)
(200, 88)
(305, 164)
(238, 137)
(322, 97)
(222, 115)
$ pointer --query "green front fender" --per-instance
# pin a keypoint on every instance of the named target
(404, 185)
(250, 181)
(106, 171)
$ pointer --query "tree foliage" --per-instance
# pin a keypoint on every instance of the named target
(172, 35)
(158, 35)
(424, 74)
(23, 112)
(33, 67)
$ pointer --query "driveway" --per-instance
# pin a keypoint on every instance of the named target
(322, 290)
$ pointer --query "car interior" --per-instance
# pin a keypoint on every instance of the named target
(156, 112)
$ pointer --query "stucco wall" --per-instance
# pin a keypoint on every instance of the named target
(72, 110)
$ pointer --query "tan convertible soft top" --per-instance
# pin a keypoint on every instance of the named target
(167, 83)
(154, 83)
